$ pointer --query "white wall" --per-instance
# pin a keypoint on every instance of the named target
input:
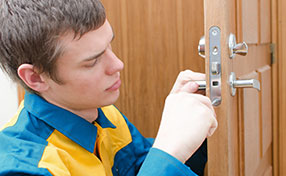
(8, 98)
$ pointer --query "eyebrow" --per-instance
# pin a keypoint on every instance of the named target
(97, 55)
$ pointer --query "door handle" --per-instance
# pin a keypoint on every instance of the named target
(249, 83)
(234, 83)
(241, 49)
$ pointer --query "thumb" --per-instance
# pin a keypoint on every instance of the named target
(190, 87)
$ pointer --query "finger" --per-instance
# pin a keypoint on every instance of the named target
(202, 92)
(205, 101)
(207, 107)
(189, 75)
(213, 127)
(214, 123)
(190, 87)
(185, 77)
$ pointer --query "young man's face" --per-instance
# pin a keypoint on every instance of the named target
(89, 71)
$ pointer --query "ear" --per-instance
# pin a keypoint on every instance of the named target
(32, 78)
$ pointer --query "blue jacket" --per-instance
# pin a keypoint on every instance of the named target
(43, 139)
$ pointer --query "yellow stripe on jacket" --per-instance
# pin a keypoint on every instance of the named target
(62, 156)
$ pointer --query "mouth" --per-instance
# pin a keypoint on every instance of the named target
(115, 86)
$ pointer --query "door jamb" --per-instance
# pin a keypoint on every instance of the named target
(278, 26)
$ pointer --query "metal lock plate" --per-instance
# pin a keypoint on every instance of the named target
(215, 65)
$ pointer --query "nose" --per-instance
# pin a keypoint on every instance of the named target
(114, 64)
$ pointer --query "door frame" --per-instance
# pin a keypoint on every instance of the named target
(279, 83)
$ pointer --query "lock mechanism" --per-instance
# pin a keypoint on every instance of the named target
(215, 65)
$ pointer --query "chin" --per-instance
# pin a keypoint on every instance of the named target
(112, 99)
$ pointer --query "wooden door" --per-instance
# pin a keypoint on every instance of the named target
(242, 145)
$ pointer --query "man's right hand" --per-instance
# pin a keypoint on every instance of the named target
(187, 118)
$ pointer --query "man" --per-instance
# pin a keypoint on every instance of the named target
(60, 51)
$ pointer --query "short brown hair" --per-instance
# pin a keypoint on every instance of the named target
(30, 31)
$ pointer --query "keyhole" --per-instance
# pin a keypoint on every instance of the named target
(215, 50)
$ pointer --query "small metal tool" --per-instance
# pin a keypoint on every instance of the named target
(202, 84)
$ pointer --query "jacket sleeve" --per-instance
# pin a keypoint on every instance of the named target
(151, 161)
(158, 162)
(11, 167)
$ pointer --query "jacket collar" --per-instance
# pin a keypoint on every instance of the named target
(69, 124)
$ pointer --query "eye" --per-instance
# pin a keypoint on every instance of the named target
(92, 63)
